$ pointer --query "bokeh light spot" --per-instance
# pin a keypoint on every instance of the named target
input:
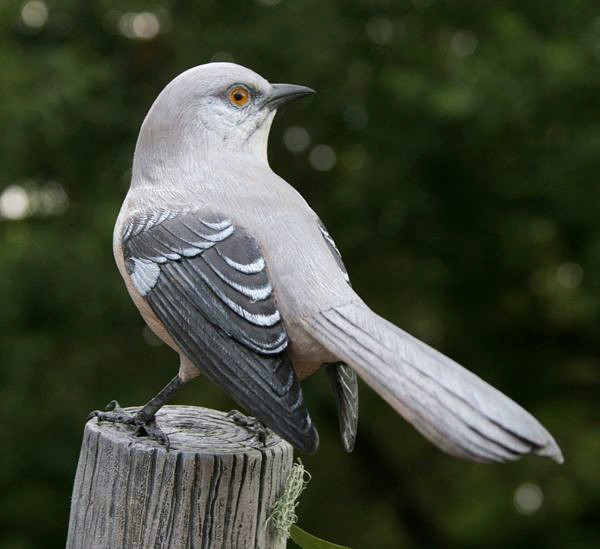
(463, 43)
(53, 199)
(296, 139)
(380, 30)
(30, 198)
(144, 25)
(14, 202)
(569, 274)
(322, 158)
(34, 14)
(528, 498)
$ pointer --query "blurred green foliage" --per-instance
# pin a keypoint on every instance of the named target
(464, 196)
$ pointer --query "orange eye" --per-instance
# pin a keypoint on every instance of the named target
(239, 96)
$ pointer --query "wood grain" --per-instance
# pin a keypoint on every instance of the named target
(214, 487)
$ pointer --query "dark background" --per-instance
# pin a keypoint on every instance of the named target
(464, 197)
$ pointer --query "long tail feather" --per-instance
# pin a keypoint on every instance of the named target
(452, 407)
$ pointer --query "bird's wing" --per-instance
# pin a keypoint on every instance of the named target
(206, 280)
(343, 378)
(345, 388)
(334, 250)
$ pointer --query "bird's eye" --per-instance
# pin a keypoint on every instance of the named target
(239, 96)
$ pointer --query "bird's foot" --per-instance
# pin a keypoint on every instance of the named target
(253, 425)
(144, 427)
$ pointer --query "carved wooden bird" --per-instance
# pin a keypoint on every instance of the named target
(230, 267)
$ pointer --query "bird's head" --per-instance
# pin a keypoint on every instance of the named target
(217, 108)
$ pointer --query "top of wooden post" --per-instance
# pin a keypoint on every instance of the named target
(190, 429)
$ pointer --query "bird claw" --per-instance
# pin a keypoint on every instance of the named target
(113, 413)
(143, 428)
(152, 431)
(251, 424)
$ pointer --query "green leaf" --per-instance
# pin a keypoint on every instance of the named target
(308, 541)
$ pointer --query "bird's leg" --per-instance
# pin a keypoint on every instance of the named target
(144, 420)
(255, 426)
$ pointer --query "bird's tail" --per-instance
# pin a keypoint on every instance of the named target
(452, 407)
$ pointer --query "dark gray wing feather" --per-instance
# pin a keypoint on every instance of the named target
(343, 379)
(345, 388)
(206, 280)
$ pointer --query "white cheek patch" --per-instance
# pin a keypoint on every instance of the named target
(145, 274)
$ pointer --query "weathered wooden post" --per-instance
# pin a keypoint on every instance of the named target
(214, 487)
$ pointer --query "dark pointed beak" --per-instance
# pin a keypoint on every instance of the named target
(284, 93)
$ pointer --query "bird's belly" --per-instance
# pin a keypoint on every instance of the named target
(307, 355)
